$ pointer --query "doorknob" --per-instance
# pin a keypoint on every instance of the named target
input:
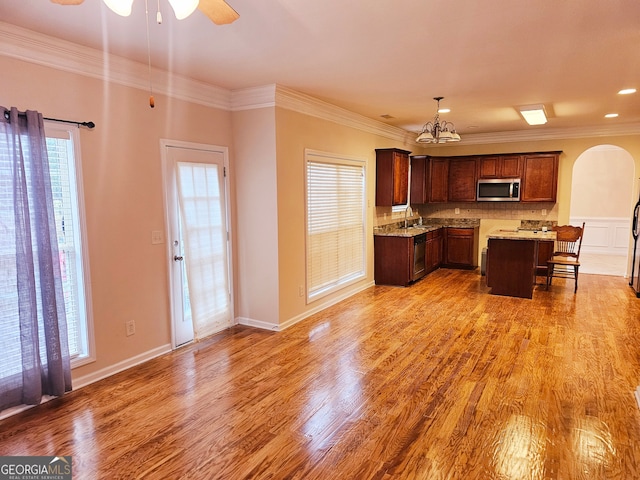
(177, 258)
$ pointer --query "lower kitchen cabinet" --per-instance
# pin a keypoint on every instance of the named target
(393, 260)
(433, 251)
(461, 247)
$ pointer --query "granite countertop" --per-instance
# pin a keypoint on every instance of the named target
(505, 234)
(394, 230)
(410, 231)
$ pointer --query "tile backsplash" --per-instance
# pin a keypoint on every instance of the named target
(545, 213)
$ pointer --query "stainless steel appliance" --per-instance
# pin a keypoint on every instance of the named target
(635, 264)
(419, 268)
(498, 190)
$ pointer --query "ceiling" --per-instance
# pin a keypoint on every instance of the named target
(390, 57)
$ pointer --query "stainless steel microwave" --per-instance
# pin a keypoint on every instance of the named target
(498, 190)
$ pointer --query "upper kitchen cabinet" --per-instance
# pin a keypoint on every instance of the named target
(462, 179)
(419, 179)
(438, 179)
(500, 166)
(392, 176)
(540, 177)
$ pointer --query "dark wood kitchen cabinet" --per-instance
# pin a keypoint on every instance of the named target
(438, 179)
(462, 179)
(500, 166)
(461, 247)
(433, 250)
(392, 176)
(393, 260)
(540, 177)
(419, 179)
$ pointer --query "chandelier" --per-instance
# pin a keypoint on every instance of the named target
(436, 132)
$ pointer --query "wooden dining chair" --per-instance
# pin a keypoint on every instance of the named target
(565, 260)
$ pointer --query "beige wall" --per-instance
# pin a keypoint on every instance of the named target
(123, 194)
(256, 215)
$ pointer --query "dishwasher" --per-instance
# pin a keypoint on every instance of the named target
(419, 244)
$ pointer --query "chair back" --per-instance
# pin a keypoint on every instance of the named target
(568, 240)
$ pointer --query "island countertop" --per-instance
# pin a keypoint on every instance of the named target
(505, 234)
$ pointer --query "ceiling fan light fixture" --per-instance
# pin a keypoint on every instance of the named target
(534, 114)
(183, 8)
(121, 7)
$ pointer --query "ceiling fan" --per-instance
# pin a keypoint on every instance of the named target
(219, 11)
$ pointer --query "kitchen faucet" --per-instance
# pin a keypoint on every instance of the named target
(406, 212)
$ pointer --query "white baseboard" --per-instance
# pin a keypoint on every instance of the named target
(94, 377)
(298, 318)
(85, 380)
(250, 322)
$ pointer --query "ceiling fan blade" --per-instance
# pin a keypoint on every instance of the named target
(219, 11)
(68, 2)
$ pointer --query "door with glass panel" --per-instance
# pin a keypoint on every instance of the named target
(198, 240)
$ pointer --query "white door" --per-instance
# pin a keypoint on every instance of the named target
(198, 240)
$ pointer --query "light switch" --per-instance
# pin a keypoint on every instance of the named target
(156, 237)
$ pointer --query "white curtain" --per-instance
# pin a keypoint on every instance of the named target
(204, 230)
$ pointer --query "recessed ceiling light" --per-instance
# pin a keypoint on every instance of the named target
(611, 115)
(444, 110)
(627, 91)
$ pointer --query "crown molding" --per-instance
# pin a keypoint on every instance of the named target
(550, 134)
(305, 104)
(34, 47)
(279, 96)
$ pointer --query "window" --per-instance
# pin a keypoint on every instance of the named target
(335, 222)
(68, 202)
(67, 196)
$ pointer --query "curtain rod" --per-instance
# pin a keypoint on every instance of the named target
(79, 124)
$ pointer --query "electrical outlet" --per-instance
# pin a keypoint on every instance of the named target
(131, 327)
(544, 211)
(457, 211)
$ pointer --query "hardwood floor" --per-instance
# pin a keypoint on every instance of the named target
(436, 381)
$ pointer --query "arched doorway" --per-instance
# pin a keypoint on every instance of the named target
(602, 197)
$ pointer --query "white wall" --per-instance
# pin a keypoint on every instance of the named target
(602, 197)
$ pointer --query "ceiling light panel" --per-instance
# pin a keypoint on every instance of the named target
(534, 114)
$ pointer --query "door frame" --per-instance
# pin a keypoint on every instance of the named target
(165, 144)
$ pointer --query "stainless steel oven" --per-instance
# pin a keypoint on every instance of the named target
(419, 244)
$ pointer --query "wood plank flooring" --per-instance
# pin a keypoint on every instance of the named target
(436, 381)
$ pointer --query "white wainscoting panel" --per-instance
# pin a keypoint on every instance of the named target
(604, 235)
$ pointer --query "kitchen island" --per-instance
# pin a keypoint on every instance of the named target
(514, 258)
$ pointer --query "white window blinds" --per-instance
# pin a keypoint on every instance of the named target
(335, 222)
